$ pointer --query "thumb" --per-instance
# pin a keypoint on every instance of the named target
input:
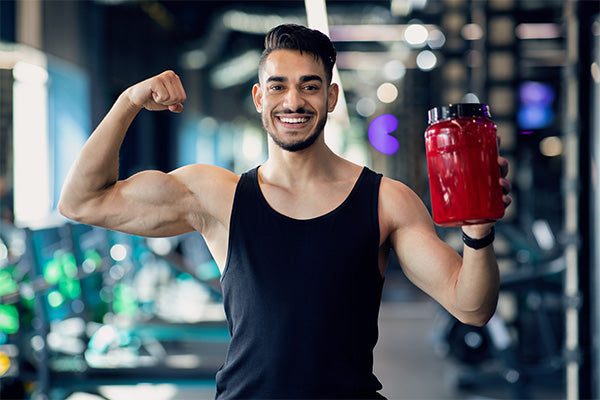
(176, 108)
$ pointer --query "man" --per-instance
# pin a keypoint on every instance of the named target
(302, 241)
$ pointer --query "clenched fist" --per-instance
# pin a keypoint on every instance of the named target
(161, 92)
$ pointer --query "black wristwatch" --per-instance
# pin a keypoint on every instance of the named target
(479, 243)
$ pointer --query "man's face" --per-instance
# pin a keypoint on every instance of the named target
(293, 98)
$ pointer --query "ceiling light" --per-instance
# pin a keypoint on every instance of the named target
(376, 33)
(236, 71)
(538, 31)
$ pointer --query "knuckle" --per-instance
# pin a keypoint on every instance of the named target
(171, 76)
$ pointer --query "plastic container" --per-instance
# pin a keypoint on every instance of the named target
(462, 160)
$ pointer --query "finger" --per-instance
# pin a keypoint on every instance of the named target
(178, 90)
(169, 82)
(174, 88)
(176, 108)
(160, 92)
(506, 188)
(162, 89)
(506, 185)
(503, 163)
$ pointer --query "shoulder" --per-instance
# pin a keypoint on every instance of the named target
(199, 177)
(393, 193)
(400, 207)
(211, 189)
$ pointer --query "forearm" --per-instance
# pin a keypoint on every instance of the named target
(477, 285)
(97, 165)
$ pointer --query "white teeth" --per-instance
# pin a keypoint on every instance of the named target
(293, 120)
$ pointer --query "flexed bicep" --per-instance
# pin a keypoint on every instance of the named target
(149, 203)
(93, 175)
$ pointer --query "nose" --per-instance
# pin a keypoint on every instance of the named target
(293, 100)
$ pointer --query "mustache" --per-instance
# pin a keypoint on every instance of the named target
(300, 110)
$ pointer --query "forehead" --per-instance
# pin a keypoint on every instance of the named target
(290, 64)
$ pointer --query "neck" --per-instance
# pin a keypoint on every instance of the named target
(297, 168)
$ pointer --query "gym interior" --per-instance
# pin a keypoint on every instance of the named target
(87, 313)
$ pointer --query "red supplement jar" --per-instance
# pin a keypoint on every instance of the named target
(462, 159)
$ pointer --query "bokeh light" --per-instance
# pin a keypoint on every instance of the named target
(118, 252)
(426, 60)
(436, 39)
(416, 35)
(379, 134)
(394, 70)
(551, 146)
(365, 107)
(387, 92)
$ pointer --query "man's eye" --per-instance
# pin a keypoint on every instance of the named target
(276, 87)
(310, 87)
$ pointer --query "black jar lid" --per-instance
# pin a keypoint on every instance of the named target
(441, 113)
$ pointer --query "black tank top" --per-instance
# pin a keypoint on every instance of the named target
(302, 298)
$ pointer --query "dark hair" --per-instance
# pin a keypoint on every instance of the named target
(303, 39)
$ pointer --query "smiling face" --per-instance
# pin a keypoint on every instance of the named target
(293, 98)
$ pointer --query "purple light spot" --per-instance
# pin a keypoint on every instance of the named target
(536, 93)
(379, 134)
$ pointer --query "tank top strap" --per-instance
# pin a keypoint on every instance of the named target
(371, 184)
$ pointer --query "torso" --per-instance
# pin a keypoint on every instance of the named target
(307, 273)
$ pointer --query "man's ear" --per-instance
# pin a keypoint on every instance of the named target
(332, 96)
(257, 97)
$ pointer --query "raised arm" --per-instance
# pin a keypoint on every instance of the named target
(466, 286)
(150, 203)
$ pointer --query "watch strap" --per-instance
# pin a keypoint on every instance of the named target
(479, 243)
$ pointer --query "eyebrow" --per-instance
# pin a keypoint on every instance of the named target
(308, 78)
(303, 78)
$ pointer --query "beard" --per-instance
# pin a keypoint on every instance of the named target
(295, 145)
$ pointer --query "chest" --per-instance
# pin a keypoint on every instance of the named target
(283, 257)
(307, 202)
